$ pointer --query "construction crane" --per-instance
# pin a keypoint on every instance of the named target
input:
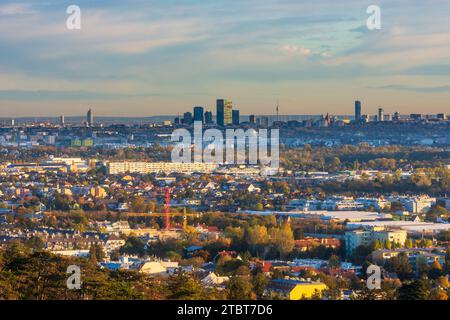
(167, 208)
(184, 219)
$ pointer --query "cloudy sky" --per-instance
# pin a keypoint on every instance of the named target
(154, 57)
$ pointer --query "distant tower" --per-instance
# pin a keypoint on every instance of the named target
(278, 115)
(187, 118)
(61, 121)
(396, 116)
(184, 219)
(220, 109)
(380, 114)
(235, 117)
(357, 111)
(228, 113)
(208, 117)
(90, 118)
(198, 114)
(167, 208)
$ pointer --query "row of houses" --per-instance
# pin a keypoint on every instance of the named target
(413, 204)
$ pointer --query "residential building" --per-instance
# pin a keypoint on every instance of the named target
(367, 237)
(295, 289)
(155, 167)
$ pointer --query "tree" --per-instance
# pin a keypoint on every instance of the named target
(435, 270)
(284, 239)
(151, 206)
(259, 282)
(35, 243)
(256, 236)
(447, 260)
(138, 205)
(360, 254)
(422, 265)
(62, 202)
(436, 212)
(334, 261)
(438, 294)
(259, 207)
(377, 245)
(133, 246)
(408, 243)
(401, 266)
(388, 245)
(335, 163)
(240, 288)
(184, 287)
(443, 282)
(96, 253)
(415, 290)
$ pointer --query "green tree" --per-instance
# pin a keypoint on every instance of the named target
(240, 288)
(133, 246)
(415, 290)
(259, 282)
(388, 245)
(408, 243)
(334, 261)
(401, 266)
(184, 287)
(283, 238)
(435, 270)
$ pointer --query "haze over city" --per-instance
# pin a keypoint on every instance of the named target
(218, 159)
(144, 58)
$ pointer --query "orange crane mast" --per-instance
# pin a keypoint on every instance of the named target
(167, 208)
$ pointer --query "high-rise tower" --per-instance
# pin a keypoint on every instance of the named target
(198, 114)
(380, 114)
(90, 118)
(357, 111)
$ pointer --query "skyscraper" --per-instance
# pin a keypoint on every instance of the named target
(278, 112)
(61, 121)
(235, 116)
(208, 117)
(380, 114)
(220, 108)
(90, 118)
(198, 114)
(252, 119)
(357, 111)
(224, 112)
(228, 113)
(187, 118)
(441, 116)
(396, 116)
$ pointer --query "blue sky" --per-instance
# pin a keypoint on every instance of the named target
(141, 58)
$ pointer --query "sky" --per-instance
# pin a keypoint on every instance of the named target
(160, 57)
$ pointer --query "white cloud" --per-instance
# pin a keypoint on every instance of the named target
(15, 9)
(295, 50)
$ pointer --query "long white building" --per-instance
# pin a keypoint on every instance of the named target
(155, 167)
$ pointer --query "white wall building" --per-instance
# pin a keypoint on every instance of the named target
(155, 167)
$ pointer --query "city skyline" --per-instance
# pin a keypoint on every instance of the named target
(149, 58)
